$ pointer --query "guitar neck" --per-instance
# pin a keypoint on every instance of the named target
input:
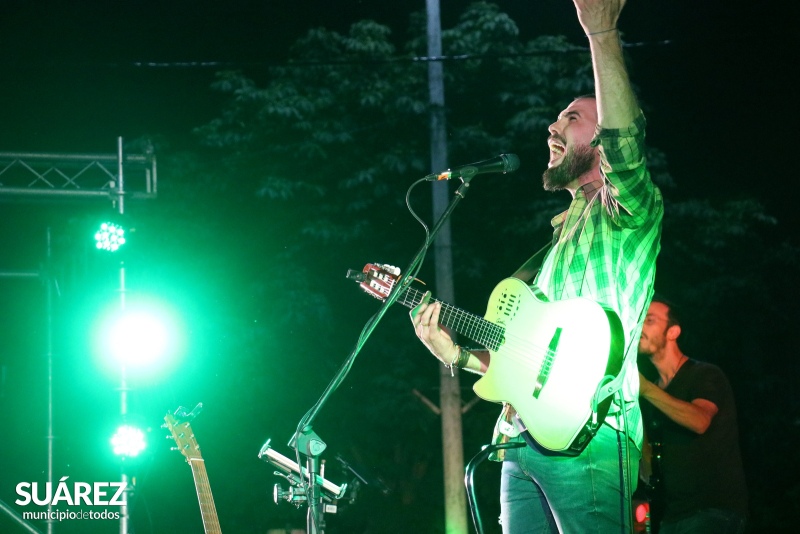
(207, 509)
(467, 324)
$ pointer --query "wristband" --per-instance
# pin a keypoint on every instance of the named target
(602, 31)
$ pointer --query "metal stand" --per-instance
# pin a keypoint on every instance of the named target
(305, 441)
(312, 448)
(320, 496)
(22, 523)
(44, 275)
(479, 458)
(30, 176)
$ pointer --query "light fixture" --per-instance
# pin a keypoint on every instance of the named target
(128, 441)
(110, 237)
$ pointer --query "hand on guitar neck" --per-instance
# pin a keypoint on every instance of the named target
(547, 359)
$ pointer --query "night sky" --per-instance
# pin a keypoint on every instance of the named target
(715, 78)
(78, 75)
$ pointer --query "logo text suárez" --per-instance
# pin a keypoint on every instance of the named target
(96, 494)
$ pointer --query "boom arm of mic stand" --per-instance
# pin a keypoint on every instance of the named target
(304, 428)
(407, 275)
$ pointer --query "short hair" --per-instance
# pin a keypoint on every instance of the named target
(587, 95)
(673, 311)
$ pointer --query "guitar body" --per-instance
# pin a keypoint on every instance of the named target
(551, 359)
(548, 358)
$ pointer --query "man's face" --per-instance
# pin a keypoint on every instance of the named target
(654, 332)
(571, 155)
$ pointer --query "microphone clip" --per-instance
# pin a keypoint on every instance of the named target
(504, 163)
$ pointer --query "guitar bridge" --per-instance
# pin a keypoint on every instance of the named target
(547, 363)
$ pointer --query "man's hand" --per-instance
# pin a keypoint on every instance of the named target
(598, 15)
(425, 319)
(616, 103)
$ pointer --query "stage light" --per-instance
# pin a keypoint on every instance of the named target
(138, 338)
(146, 340)
(128, 441)
(110, 237)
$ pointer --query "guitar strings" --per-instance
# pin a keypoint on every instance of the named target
(208, 510)
(530, 357)
(516, 349)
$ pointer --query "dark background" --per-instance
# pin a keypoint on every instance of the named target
(77, 75)
(716, 82)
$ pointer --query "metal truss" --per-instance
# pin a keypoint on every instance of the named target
(112, 176)
(59, 178)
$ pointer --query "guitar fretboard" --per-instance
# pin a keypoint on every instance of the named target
(207, 509)
(468, 324)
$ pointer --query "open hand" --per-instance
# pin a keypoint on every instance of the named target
(598, 16)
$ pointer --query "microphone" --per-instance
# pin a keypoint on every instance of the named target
(503, 163)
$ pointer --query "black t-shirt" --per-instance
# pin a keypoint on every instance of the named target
(699, 470)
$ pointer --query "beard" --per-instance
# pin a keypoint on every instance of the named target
(577, 162)
(650, 345)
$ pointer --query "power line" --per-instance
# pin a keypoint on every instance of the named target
(214, 64)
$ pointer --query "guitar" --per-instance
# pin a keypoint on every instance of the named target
(187, 444)
(548, 359)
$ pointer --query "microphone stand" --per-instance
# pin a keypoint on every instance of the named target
(305, 441)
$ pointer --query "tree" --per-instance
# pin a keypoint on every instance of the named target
(327, 144)
(304, 174)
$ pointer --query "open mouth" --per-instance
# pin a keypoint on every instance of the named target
(557, 148)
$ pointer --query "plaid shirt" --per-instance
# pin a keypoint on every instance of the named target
(605, 247)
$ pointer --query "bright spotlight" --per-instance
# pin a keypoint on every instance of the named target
(146, 339)
(109, 237)
(128, 441)
(138, 339)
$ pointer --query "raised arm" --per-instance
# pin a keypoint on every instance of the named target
(616, 102)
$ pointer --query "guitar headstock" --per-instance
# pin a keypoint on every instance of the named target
(184, 437)
(377, 279)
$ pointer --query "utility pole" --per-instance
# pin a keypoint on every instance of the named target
(450, 389)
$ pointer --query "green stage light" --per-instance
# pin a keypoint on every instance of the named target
(128, 441)
(146, 339)
(138, 338)
(109, 237)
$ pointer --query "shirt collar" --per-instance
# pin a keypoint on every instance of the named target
(587, 191)
(591, 189)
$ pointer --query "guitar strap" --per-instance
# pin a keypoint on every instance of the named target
(527, 272)
(609, 384)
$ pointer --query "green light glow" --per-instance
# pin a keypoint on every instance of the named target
(138, 338)
(145, 338)
(128, 441)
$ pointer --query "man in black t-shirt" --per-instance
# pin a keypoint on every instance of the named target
(690, 413)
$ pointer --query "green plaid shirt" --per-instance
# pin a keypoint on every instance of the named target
(605, 247)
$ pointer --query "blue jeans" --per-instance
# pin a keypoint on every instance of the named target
(541, 492)
(708, 521)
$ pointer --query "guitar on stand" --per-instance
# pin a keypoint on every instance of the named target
(178, 425)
